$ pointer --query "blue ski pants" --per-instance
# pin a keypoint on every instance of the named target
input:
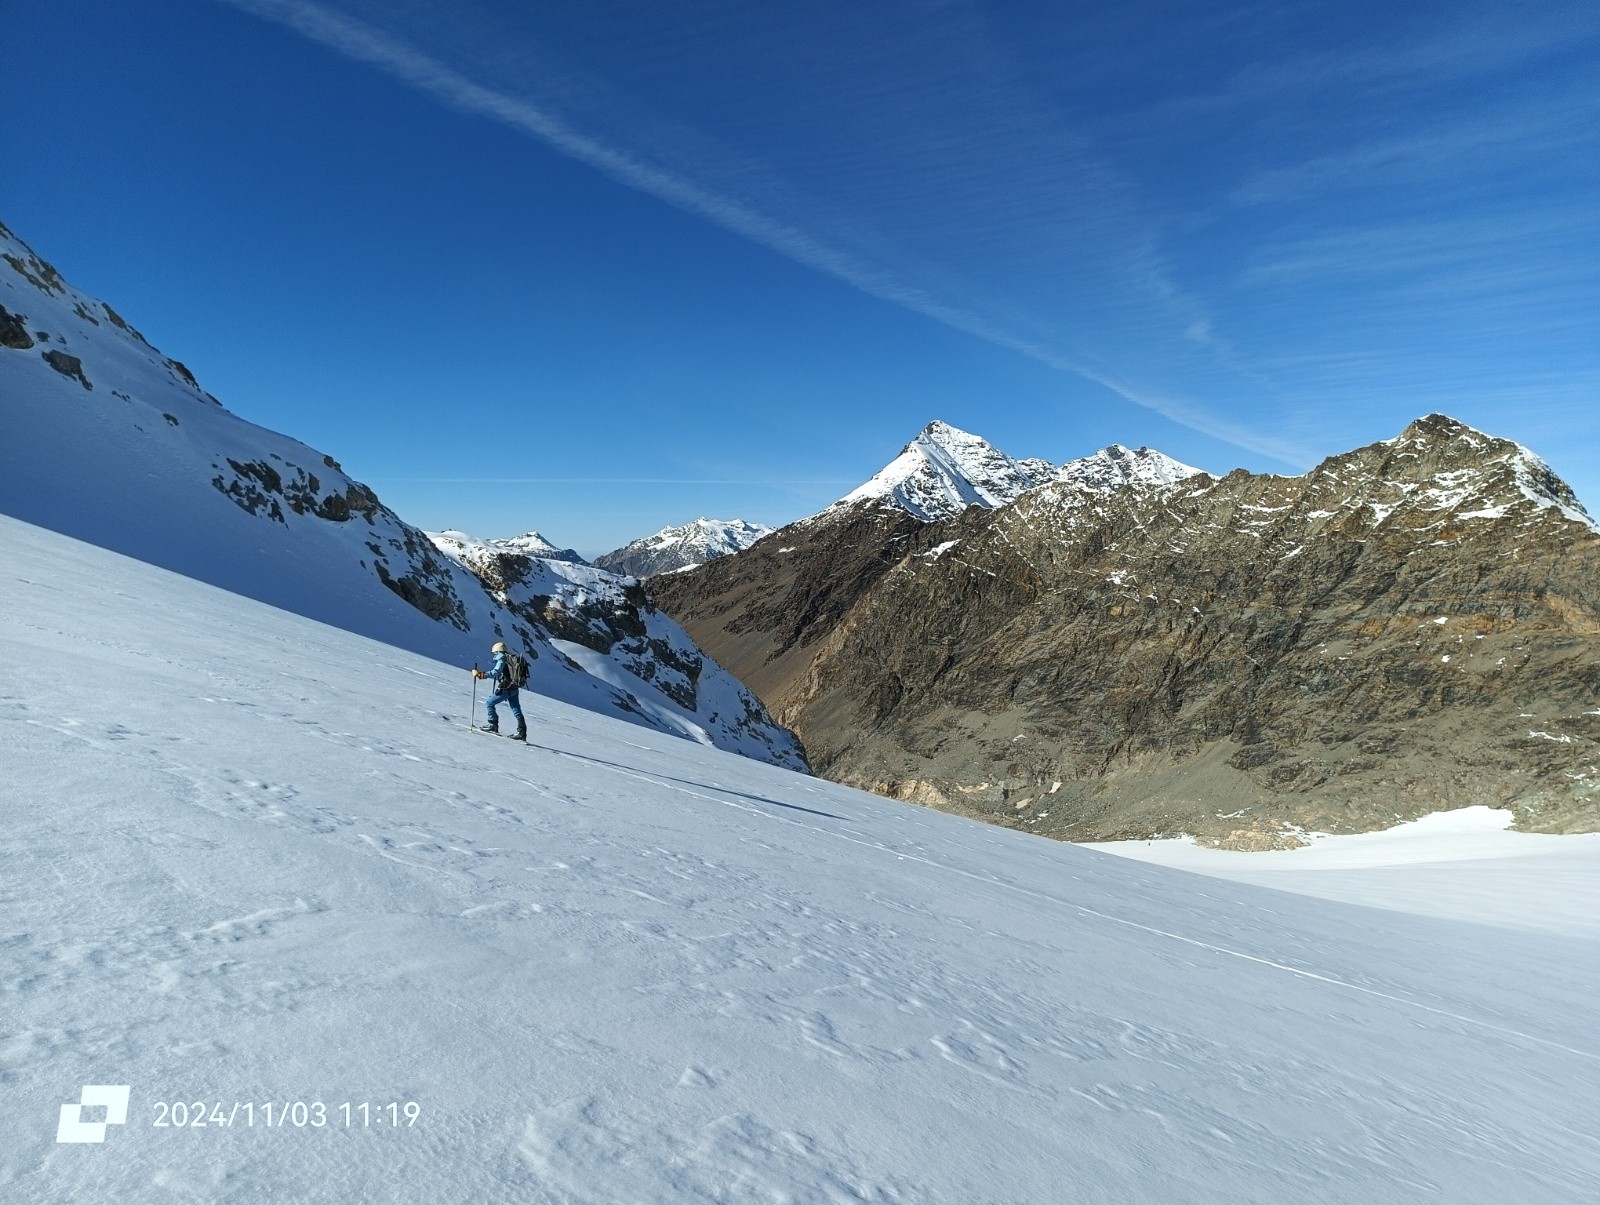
(506, 696)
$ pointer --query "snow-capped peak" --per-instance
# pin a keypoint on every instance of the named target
(674, 548)
(722, 536)
(531, 544)
(534, 544)
(944, 470)
(1113, 467)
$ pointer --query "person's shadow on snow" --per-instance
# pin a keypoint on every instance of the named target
(704, 786)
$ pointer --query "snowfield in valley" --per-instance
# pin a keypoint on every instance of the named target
(252, 858)
(1460, 865)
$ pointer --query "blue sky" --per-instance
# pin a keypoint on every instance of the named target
(595, 268)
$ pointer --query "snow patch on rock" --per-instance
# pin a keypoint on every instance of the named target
(1116, 467)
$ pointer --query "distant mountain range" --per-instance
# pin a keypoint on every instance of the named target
(674, 548)
(1128, 647)
(531, 544)
(110, 441)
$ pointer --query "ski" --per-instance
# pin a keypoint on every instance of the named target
(474, 728)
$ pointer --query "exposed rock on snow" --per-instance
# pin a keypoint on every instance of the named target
(590, 611)
(1115, 467)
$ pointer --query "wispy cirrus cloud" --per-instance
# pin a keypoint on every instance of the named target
(1481, 41)
(785, 483)
(952, 193)
(1278, 229)
(1417, 157)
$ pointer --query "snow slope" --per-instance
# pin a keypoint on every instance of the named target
(107, 440)
(253, 858)
(608, 626)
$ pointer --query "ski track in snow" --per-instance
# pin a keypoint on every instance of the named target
(254, 858)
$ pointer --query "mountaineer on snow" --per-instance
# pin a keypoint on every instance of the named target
(509, 672)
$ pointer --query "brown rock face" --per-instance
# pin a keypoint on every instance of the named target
(1411, 626)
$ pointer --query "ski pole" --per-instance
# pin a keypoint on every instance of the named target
(471, 715)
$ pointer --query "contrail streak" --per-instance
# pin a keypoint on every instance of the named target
(370, 45)
(602, 481)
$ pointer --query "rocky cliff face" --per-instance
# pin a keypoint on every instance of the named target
(1411, 626)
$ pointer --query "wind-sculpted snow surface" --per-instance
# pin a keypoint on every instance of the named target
(109, 441)
(262, 861)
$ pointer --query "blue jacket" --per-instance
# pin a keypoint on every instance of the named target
(497, 675)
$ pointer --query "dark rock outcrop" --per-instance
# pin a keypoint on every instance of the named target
(14, 330)
(67, 366)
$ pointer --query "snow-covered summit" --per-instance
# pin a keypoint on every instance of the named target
(530, 544)
(674, 548)
(944, 470)
(1114, 467)
(534, 544)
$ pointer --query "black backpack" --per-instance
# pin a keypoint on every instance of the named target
(516, 671)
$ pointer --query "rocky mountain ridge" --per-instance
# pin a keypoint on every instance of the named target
(111, 442)
(1410, 626)
(1114, 466)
